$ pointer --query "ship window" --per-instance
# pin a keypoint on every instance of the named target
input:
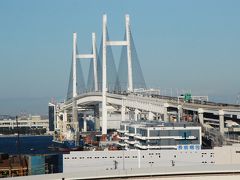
(175, 156)
(142, 156)
(237, 151)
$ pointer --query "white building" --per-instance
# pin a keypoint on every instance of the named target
(26, 121)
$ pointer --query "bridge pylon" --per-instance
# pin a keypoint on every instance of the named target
(84, 56)
(104, 65)
(74, 76)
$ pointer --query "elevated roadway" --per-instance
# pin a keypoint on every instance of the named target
(149, 103)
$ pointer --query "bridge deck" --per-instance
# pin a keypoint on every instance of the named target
(151, 103)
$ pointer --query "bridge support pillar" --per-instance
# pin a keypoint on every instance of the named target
(96, 115)
(75, 122)
(104, 76)
(136, 114)
(179, 113)
(64, 121)
(165, 113)
(84, 122)
(75, 117)
(200, 116)
(123, 113)
(221, 121)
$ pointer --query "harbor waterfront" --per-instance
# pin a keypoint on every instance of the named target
(28, 144)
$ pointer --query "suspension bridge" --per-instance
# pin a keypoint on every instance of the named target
(123, 89)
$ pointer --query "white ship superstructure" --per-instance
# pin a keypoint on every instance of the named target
(159, 135)
(152, 144)
(86, 161)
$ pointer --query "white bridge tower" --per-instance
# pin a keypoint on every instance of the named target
(104, 66)
(74, 76)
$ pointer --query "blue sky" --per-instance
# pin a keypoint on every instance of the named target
(181, 45)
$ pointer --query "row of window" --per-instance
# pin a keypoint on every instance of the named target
(111, 157)
(103, 157)
(119, 157)
(205, 162)
(151, 154)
